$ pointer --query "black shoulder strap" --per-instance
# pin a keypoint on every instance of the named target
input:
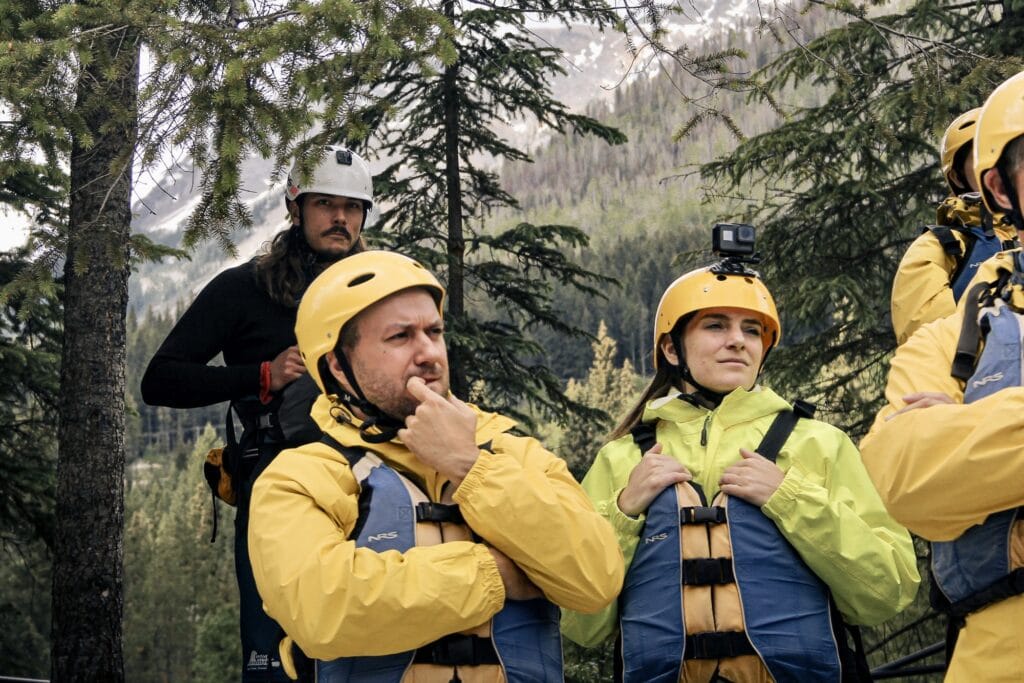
(969, 345)
(644, 435)
(782, 427)
(950, 244)
(351, 453)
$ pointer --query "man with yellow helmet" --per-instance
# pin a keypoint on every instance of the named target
(947, 452)
(419, 539)
(938, 265)
(717, 479)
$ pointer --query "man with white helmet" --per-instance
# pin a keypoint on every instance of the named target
(947, 452)
(247, 313)
(420, 539)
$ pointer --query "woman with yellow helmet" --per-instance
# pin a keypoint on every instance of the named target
(738, 565)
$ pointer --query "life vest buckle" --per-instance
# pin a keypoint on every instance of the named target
(439, 512)
(458, 650)
(707, 571)
(701, 514)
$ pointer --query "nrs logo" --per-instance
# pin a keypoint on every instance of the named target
(656, 537)
(986, 380)
(383, 536)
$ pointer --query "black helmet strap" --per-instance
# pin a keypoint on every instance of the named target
(387, 425)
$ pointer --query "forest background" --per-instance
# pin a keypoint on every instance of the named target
(821, 130)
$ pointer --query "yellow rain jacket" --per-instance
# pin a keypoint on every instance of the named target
(337, 600)
(943, 469)
(921, 290)
(826, 507)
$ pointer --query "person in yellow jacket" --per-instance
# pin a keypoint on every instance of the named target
(419, 539)
(947, 453)
(808, 525)
(938, 265)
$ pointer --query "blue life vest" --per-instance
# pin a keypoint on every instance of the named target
(691, 562)
(522, 639)
(976, 570)
(979, 244)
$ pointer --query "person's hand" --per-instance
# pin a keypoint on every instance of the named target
(441, 433)
(517, 586)
(923, 399)
(286, 368)
(754, 478)
(654, 474)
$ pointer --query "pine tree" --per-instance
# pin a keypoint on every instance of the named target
(440, 127)
(224, 79)
(843, 184)
(30, 332)
(607, 388)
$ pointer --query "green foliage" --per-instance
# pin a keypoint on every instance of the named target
(223, 80)
(607, 388)
(29, 372)
(840, 187)
(181, 602)
(25, 609)
(439, 126)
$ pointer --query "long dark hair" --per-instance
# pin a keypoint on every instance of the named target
(287, 265)
(665, 378)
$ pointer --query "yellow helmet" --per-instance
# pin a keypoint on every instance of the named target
(958, 134)
(703, 288)
(1000, 122)
(348, 287)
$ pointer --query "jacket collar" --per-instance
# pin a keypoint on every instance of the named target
(740, 405)
(338, 421)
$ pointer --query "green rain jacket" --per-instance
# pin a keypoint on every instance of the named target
(826, 506)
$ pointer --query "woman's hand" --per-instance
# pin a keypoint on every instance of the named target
(654, 474)
(754, 478)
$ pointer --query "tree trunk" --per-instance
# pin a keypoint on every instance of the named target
(456, 242)
(88, 557)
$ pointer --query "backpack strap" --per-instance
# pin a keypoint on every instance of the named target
(782, 427)
(950, 244)
(644, 436)
(351, 453)
(968, 346)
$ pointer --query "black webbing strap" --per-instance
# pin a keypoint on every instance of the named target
(701, 514)
(351, 453)
(457, 650)
(782, 427)
(950, 244)
(713, 571)
(1010, 585)
(645, 435)
(967, 347)
(717, 645)
(439, 512)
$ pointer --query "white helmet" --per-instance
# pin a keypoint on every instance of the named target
(341, 172)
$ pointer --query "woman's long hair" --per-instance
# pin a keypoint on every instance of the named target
(287, 265)
(665, 378)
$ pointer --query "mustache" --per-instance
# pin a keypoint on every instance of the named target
(336, 230)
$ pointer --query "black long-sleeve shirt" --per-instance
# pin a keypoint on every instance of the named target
(232, 315)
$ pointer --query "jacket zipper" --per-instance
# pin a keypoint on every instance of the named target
(704, 431)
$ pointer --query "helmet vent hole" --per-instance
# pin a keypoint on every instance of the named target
(366, 277)
(720, 278)
(748, 280)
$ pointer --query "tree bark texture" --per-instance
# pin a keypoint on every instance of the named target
(456, 242)
(88, 559)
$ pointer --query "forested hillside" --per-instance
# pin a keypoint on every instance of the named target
(647, 211)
